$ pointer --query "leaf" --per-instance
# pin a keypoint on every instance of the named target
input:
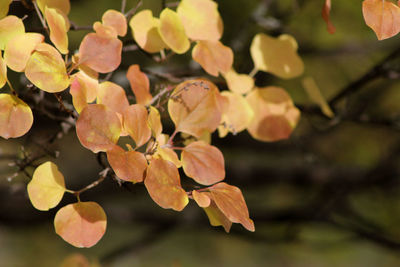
(203, 162)
(75, 260)
(213, 57)
(62, 5)
(46, 69)
(101, 53)
(3, 72)
(113, 96)
(47, 186)
(163, 184)
(238, 115)
(217, 218)
(128, 165)
(172, 31)
(276, 55)
(83, 90)
(326, 10)
(116, 20)
(81, 224)
(194, 107)
(98, 128)
(202, 199)
(15, 117)
(105, 31)
(145, 31)
(169, 154)
(316, 96)
(201, 19)
(18, 50)
(10, 27)
(238, 83)
(154, 121)
(4, 6)
(275, 115)
(230, 201)
(382, 16)
(58, 29)
(140, 85)
(135, 124)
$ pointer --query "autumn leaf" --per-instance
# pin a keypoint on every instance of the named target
(172, 31)
(383, 17)
(217, 217)
(15, 117)
(3, 72)
(238, 83)
(154, 121)
(316, 96)
(83, 90)
(63, 5)
(203, 162)
(58, 29)
(135, 124)
(112, 96)
(326, 10)
(4, 6)
(81, 224)
(163, 184)
(98, 128)
(202, 198)
(169, 154)
(47, 186)
(10, 27)
(105, 31)
(140, 85)
(75, 260)
(116, 20)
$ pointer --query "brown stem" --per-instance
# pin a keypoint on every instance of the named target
(103, 175)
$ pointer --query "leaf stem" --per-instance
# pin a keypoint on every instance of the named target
(12, 88)
(123, 5)
(103, 175)
(253, 72)
(41, 18)
(133, 10)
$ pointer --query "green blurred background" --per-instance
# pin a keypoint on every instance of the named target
(328, 196)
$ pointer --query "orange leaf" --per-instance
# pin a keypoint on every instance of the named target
(113, 96)
(81, 224)
(19, 49)
(128, 165)
(154, 121)
(383, 17)
(164, 186)
(103, 30)
(47, 186)
(15, 117)
(202, 199)
(169, 154)
(116, 20)
(58, 29)
(63, 5)
(98, 128)
(216, 217)
(326, 10)
(3, 72)
(145, 31)
(238, 83)
(101, 53)
(10, 27)
(140, 85)
(46, 69)
(172, 31)
(4, 6)
(135, 124)
(83, 90)
(201, 19)
(213, 56)
(275, 115)
(230, 201)
(194, 107)
(203, 162)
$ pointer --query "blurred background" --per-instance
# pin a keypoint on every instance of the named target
(328, 196)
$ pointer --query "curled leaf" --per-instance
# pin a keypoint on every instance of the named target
(10, 27)
(135, 124)
(81, 224)
(116, 20)
(172, 31)
(83, 90)
(217, 217)
(140, 85)
(58, 28)
(15, 117)
(47, 186)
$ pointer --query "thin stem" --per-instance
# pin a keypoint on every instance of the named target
(103, 175)
(159, 95)
(133, 10)
(123, 5)
(253, 72)
(42, 20)
(171, 139)
(12, 88)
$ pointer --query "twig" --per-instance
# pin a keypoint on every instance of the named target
(103, 175)
(42, 20)
(130, 13)
(123, 5)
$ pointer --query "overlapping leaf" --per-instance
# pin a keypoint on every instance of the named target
(98, 128)
(15, 117)
(63, 5)
(276, 55)
(81, 224)
(83, 90)
(47, 186)
(163, 184)
(172, 31)
(140, 84)
(154, 121)
(10, 27)
(203, 162)
(217, 217)
(113, 96)
(58, 28)
(238, 83)
(103, 30)
(46, 69)
(275, 115)
(169, 154)
(135, 124)
(116, 20)
(202, 198)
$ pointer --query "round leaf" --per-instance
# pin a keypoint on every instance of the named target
(116, 20)
(10, 27)
(113, 96)
(135, 124)
(202, 199)
(172, 31)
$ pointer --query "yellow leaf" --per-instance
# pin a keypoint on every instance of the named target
(169, 154)
(58, 29)
(172, 31)
(10, 27)
(3, 72)
(4, 6)
(154, 121)
(116, 20)
(238, 83)
(316, 96)
(216, 217)
(83, 90)
(63, 5)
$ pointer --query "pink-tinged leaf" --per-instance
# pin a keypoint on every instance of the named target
(81, 224)
(58, 29)
(19, 49)
(103, 30)
(10, 27)
(194, 107)
(47, 186)
(113, 96)
(135, 124)
(62, 5)
(128, 165)
(140, 85)
(326, 10)
(172, 31)
(383, 17)
(275, 115)
(15, 117)
(213, 56)
(203, 162)
(3, 72)
(116, 20)
(4, 6)
(216, 217)
(154, 121)
(230, 201)
(83, 90)
(201, 19)
(202, 199)
(164, 186)
(101, 53)
(98, 128)
(46, 69)
(169, 154)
